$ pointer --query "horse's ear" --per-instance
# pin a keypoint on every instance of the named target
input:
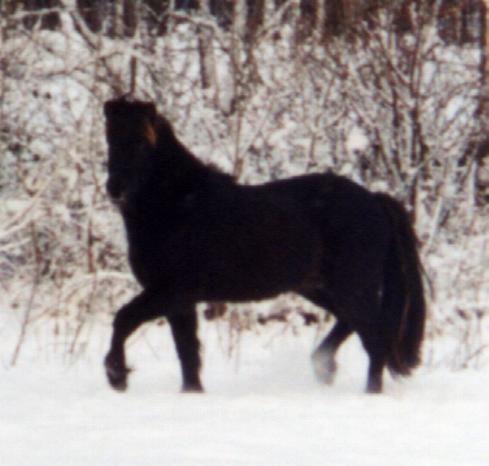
(149, 131)
(149, 123)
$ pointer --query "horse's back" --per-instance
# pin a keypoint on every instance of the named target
(342, 209)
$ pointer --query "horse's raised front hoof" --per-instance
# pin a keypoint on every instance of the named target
(324, 367)
(116, 373)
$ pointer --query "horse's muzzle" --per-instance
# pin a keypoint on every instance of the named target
(115, 191)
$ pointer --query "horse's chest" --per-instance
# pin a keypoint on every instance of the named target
(144, 249)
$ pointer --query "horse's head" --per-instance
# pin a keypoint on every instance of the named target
(131, 134)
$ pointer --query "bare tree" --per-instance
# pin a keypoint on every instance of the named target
(482, 140)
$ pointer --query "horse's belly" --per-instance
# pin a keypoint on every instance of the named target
(256, 265)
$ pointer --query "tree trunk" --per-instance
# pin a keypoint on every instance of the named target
(205, 39)
(482, 151)
(484, 65)
(255, 15)
(93, 13)
(130, 17)
(308, 19)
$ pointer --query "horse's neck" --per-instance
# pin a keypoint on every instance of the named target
(173, 175)
(167, 181)
(180, 170)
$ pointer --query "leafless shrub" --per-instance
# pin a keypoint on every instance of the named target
(395, 111)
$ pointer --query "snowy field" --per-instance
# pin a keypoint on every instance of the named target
(262, 407)
(262, 404)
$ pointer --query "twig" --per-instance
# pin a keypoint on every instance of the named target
(28, 310)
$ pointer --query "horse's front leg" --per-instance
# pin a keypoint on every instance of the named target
(183, 323)
(143, 308)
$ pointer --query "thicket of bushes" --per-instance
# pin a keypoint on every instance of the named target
(396, 108)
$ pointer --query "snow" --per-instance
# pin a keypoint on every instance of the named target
(262, 407)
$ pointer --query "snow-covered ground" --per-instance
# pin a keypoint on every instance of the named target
(262, 407)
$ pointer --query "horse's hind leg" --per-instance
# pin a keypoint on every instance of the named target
(183, 323)
(139, 310)
(375, 347)
(376, 354)
(375, 371)
(324, 357)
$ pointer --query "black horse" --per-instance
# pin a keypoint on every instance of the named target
(196, 235)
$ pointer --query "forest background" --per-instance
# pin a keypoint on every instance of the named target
(393, 94)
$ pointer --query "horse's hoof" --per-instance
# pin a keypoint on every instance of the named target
(374, 388)
(192, 388)
(116, 373)
(117, 381)
(324, 368)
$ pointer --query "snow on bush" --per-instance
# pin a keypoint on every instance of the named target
(394, 112)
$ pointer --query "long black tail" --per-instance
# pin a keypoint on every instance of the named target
(403, 307)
